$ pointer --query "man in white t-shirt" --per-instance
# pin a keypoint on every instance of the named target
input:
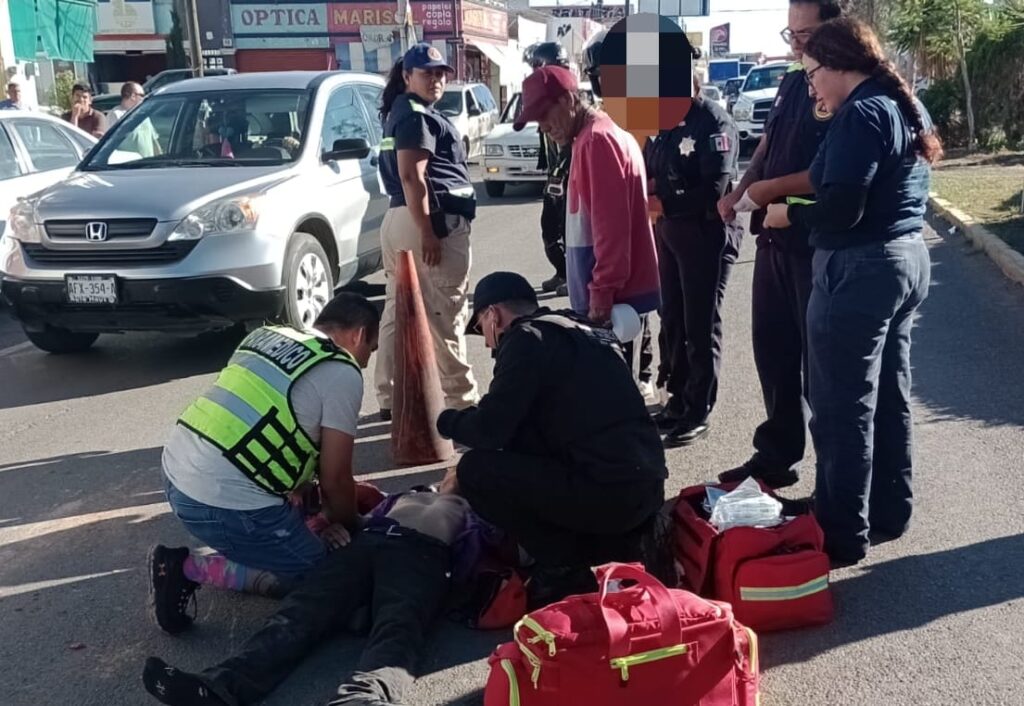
(284, 410)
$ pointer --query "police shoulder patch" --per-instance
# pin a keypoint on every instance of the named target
(434, 54)
(720, 142)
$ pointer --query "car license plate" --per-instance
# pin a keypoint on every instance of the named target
(91, 289)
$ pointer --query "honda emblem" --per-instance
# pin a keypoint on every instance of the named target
(96, 231)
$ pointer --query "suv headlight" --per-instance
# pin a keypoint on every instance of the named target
(743, 110)
(493, 150)
(22, 224)
(225, 216)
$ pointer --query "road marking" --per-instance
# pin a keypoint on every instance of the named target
(8, 591)
(34, 530)
(17, 348)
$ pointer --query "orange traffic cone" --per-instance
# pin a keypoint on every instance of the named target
(418, 398)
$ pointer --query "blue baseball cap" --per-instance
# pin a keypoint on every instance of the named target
(424, 56)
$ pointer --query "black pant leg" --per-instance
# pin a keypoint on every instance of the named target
(781, 290)
(411, 579)
(673, 318)
(554, 512)
(702, 252)
(552, 232)
(320, 606)
(646, 350)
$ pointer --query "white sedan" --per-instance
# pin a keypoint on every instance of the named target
(36, 151)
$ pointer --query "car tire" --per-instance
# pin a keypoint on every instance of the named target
(308, 281)
(60, 341)
(495, 189)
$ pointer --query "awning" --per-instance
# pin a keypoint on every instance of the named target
(64, 28)
(152, 45)
(498, 54)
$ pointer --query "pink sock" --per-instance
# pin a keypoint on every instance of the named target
(215, 570)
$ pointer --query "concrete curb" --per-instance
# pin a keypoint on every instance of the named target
(1009, 260)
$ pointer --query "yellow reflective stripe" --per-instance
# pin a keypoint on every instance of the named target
(784, 593)
(462, 191)
(795, 66)
(624, 663)
(513, 684)
(387, 144)
(797, 201)
(417, 107)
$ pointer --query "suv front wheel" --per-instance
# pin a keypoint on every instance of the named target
(308, 281)
(59, 340)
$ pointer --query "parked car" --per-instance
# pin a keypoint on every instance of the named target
(36, 151)
(217, 201)
(510, 157)
(108, 101)
(471, 107)
(756, 99)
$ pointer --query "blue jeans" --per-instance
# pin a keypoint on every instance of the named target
(859, 321)
(273, 539)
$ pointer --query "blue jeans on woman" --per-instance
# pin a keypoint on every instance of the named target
(859, 321)
(273, 539)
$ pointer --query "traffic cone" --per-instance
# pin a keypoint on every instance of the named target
(418, 399)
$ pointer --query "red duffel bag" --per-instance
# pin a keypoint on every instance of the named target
(775, 578)
(645, 645)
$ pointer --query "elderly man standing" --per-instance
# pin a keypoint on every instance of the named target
(131, 95)
(610, 250)
(14, 101)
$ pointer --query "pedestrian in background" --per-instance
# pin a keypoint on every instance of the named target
(423, 166)
(870, 273)
(82, 115)
(14, 101)
(795, 127)
(131, 95)
(689, 169)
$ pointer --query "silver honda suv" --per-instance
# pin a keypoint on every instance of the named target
(221, 200)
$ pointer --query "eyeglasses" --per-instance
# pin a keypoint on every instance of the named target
(138, 95)
(809, 75)
(478, 326)
(788, 34)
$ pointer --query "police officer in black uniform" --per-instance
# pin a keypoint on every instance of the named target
(555, 162)
(782, 265)
(424, 170)
(689, 169)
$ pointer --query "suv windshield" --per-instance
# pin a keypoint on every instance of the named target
(760, 79)
(225, 128)
(450, 103)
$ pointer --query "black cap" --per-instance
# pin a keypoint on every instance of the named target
(424, 56)
(496, 288)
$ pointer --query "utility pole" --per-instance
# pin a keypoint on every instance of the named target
(195, 42)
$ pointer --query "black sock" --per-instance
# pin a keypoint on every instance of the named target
(176, 688)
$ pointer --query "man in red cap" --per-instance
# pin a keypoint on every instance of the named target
(610, 251)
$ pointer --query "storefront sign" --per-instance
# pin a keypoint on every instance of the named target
(124, 17)
(484, 21)
(289, 18)
(375, 37)
(350, 17)
(604, 13)
(720, 40)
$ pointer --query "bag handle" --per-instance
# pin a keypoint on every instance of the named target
(661, 599)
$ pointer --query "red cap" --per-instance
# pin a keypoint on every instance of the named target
(541, 90)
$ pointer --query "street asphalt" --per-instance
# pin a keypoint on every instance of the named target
(935, 618)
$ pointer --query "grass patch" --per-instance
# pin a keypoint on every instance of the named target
(990, 193)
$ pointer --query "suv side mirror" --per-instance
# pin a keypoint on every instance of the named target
(352, 148)
(473, 111)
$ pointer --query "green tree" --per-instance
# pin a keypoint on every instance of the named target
(60, 94)
(939, 34)
(176, 58)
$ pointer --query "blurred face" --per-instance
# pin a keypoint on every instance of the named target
(14, 92)
(560, 123)
(359, 342)
(83, 98)
(804, 18)
(428, 84)
(828, 86)
(136, 96)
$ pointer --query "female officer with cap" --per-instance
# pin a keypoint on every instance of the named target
(423, 167)
(690, 168)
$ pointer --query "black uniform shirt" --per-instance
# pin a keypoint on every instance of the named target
(795, 128)
(694, 163)
(412, 124)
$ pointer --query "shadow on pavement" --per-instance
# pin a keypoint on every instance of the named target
(969, 334)
(942, 583)
(114, 364)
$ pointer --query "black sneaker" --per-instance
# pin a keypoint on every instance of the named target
(552, 285)
(667, 419)
(175, 687)
(562, 291)
(685, 434)
(753, 469)
(171, 593)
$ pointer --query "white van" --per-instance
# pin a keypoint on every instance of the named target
(472, 109)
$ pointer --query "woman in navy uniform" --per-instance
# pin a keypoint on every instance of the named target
(423, 167)
(870, 273)
(690, 168)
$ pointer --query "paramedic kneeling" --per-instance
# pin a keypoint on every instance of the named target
(564, 456)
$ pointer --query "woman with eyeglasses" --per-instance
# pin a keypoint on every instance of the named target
(870, 273)
(424, 170)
